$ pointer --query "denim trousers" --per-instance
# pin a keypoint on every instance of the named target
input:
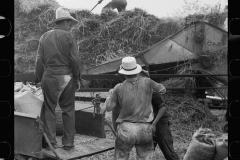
(134, 134)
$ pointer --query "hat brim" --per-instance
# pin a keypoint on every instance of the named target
(135, 71)
(73, 22)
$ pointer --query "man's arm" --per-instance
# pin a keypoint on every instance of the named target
(111, 101)
(161, 111)
(159, 102)
(39, 65)
(110, 104)
(74, 60)
(157, 87)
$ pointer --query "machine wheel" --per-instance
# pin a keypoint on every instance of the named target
(199, 36)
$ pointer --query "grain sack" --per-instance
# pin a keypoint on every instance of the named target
(221, 147)
(202, 146)
(26, 88)
(39, 94)
(18, 86)
(26, 102)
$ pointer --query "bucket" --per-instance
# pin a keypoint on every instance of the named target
(202, 146)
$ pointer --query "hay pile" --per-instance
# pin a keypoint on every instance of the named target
(186, 113)
(109, 36)
(100, 37)
(31, 20)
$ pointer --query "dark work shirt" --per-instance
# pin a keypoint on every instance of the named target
(157, 103)
(58, 48)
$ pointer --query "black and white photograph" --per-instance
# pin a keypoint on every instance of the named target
(121, 79)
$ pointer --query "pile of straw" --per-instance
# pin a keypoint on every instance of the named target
(100, 37)
(109, 36)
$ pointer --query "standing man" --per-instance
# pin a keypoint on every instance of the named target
(162, 137)
(134, 97)
(57, 67)
(119, 4)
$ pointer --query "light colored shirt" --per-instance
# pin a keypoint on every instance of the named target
(134, 97)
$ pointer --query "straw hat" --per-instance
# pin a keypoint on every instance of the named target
(63, 14)
(129, 66)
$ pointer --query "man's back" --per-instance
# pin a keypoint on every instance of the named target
(58, 53)
(119, 4)
(56, 45)
(134, 98)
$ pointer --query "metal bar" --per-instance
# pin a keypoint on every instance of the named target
(111, 76)
(87, 99)
(46, 138)
(31, 77)
(219, 108)
(104, 99)
(170, 88)
(88, 155)
(24, 77)
(106, 122)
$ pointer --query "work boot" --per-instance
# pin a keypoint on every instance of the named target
(54, 145)
(68, 147)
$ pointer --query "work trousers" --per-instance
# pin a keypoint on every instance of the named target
(163, 138)
(50, 85)
(134, 134)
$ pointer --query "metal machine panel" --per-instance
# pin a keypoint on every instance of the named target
(88, 124)
(27, 136)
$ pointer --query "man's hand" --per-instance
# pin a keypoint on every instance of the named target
(38, 85)
(77, 85)
(153, 126)
(103, 109)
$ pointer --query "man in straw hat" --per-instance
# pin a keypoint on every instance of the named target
(119, 4)
(134, 97)
(57, 67)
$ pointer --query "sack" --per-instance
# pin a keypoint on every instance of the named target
(26, 102)
(18, 86)
(28, 88)
(221, 147)
(202, 146)
(39, 94)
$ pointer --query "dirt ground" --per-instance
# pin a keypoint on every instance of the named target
(180, 143)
